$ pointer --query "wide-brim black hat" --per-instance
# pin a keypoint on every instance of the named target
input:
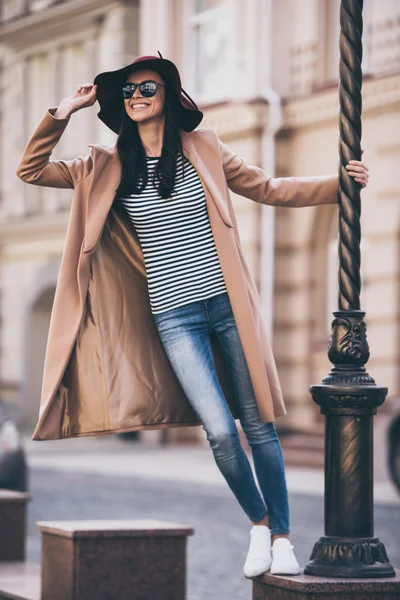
(109, 95)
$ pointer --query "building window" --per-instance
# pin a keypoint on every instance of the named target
(11, 9)
(38, 88)
(37, 5)
(383, 37)
(73, 69)
(211, 35)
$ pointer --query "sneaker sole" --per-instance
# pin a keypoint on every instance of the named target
(257, 574)
(285, 573)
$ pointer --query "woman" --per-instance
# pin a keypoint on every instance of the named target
(171, 186)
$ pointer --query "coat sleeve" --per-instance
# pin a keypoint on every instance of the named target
(254, 183)
(35, 165)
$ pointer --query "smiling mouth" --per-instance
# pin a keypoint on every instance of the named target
(139, 106)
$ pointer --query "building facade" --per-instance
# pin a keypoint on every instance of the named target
(265, 72)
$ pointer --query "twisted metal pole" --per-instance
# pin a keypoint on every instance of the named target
(348, 396)
(350, 82)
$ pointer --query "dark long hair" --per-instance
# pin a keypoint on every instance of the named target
(132, 155)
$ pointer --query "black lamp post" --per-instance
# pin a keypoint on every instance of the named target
(348, 396)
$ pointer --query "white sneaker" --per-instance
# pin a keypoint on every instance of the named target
(284, 561)
(259, 556)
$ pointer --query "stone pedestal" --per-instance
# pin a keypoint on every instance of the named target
(307, 587)
(12, 524)
(128, 560)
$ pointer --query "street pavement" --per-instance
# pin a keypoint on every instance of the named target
(106, 477)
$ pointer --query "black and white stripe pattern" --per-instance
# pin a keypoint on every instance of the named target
(175, 235)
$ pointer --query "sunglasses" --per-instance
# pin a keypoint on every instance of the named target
(146, 88)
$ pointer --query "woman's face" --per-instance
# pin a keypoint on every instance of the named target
(139, 108)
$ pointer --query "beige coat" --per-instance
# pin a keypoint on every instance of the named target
(105, 368)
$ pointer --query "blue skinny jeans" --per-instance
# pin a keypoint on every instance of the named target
(185, 334)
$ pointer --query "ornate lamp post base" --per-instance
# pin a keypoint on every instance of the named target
(349, 397)
(358, 558)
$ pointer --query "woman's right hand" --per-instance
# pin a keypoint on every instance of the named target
(85, 95)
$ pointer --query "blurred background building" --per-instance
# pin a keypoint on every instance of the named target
(265, 72)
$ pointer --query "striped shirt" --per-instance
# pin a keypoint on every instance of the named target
(175, 235)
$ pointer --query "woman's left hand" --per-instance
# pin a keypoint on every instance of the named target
(358, 170)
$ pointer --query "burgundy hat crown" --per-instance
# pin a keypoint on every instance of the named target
(109, 92)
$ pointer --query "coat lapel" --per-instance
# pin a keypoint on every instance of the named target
(107, 175)
(106, 178)
(207, 166)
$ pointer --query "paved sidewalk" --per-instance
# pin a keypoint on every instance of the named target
(109, 477)
(217, 550)
(111, 455)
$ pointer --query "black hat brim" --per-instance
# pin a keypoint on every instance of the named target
(111, 102)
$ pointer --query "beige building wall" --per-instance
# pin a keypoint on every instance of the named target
(46, 50)
(265, 73)
(306, 75)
